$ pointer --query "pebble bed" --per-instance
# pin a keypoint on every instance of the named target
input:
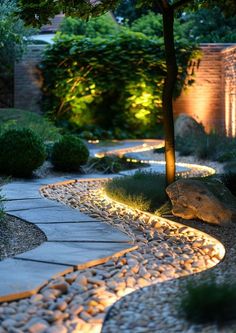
(17, 236)
(79, 301)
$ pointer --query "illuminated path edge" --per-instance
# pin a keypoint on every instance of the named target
(58, 270)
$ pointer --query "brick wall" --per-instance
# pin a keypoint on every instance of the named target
(229, 91)
(27, 83)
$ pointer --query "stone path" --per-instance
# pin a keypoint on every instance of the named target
(78, 301)
(74, 240)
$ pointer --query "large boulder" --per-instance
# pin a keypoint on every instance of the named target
(209, 201)
(185, 126)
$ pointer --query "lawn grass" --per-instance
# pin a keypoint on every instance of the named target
(143, 190)
(18, 119)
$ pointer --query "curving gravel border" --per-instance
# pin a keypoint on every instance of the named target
(158, 241)
(158, 304)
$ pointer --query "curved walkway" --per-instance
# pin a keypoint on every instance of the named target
(75, 240)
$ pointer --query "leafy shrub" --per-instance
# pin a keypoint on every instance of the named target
(209, 302)
(111, 164)
(110, 83)
(69, 153)
(143, 190)
(21, 152)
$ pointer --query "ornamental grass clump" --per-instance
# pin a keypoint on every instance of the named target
(209, 302)
(112, 164)
(69, 153)
(143, 190)
(22, 152)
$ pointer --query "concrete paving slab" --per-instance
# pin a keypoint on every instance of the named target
(15, 191)
(20, 278)
(12, 205)
(53, 214)
(84, 232)
(79, 255)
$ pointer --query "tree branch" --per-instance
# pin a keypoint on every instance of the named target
(180, 3)
(165, 4)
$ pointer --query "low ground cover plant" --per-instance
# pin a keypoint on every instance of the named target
(229, 176)
(69, 153)
(22, 152)
(143, 190)
(209, 302)
(18, 119)
(211, 146)
(111, 164)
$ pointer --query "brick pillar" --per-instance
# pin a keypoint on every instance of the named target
(229, 85)
(27, 83)
(204, 100)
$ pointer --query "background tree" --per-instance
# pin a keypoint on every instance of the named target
(40, 12)
(12, 44)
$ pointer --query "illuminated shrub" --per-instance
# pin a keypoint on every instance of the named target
(21, 152)
(113, 83)
(69, 153)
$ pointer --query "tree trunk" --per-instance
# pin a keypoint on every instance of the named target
(167, 96)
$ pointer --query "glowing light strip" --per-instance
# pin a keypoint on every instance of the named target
(217, 244)
(148, 145)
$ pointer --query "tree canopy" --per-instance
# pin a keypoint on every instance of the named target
(40, 12)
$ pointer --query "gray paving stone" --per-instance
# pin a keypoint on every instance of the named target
(83, 232)
(78, 254)
(53, 214)
(14, 191)
(13, 205)
(20, 278)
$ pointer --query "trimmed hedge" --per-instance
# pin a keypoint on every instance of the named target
(22, 152)
(69, 153)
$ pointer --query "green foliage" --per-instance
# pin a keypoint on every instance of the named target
(229, 176)
(127, 11)
(12, 34)
(111, 83)
(209, 302)
(21, 152)
(18, 119)
(202, 26)
(111, 164)
(69, 153)
(143, 190)
(103, 25)
(12, 45)
(210, 26)
(211, 146)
